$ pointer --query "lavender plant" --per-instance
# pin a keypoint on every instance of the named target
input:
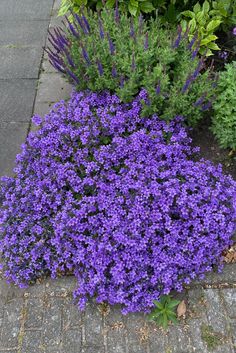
(115, 198)
(123, 55)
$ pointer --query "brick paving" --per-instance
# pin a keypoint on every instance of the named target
(43, 318)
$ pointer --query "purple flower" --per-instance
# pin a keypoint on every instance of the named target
(223, 54)
(100, 67)
(101, 30)
(132, 32)
(234, 31)
(37, 120)
(178, 39)
(192, 42)
(72, 75)
(118, 200)
(114, 72)
(85, 55)
(111, 45)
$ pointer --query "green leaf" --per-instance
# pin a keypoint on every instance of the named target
(212, 25)
(133, 7)
(206, 7)
(188, 13)
(146, 7)
(173, 303)
(173, 318)
(200, 17)
(208, 39)
(193, 24)
(197, 8)
(158, 304)
(165, 321)
(213, 46)
(110, 3)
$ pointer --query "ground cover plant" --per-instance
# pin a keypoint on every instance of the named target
(119, 199)
(224, 116)
(123, 55)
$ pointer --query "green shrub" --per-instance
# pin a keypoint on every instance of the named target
(206, 19)
(224, 118)
(125, 55)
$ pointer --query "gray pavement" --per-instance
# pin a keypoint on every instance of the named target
(42, 318)
(23, 30)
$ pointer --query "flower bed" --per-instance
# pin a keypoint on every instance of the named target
(119, 199)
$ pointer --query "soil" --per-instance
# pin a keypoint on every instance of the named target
(209, 148)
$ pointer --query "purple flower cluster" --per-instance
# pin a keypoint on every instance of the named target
(114, 197)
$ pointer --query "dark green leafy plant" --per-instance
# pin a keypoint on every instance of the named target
(165, 311)
(124, 55)
(224, 118)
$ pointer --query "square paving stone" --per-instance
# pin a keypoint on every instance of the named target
(11, 323)
(215, 311)
(16, 100)
(230, 299)
(35, 310)
(136, 328)
(53, 88)
(71, 341)
(116, 330)
(93, 323)
(20, 62)
(25, 9)
(12, 135)
(31, 342)
(52, 323)
(23, 33)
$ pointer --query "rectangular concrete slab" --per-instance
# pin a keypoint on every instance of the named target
(20, 62)
(52, 88)
(12, 135)
(25, 9)
(18, 33)
(16, 100)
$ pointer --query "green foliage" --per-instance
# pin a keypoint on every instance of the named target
(206, 19)
(160, 68)
(224, 118)
(164, 311)
(134, 7)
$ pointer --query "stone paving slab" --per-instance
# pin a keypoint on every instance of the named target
(23, 33)
(12, 135)
(25, 9)
(17, 100)
(20, 62)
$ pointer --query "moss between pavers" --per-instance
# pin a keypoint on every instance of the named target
(211, 338)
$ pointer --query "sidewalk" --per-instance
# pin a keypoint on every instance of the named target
(42, 318)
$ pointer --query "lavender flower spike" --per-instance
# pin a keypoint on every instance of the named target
(85, 55)
(187, 84)
(114, 72)
(100, 67)
(132, 33)
(86, 23)
(146, 41)
(191, 44)
(178, 39)
(111, 45)
(101, 30)
(72, 75)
